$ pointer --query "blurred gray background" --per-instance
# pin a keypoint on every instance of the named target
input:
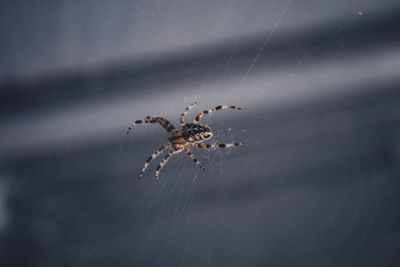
(316, 182)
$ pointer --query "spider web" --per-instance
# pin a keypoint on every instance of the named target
(315, 183)
(350, 185)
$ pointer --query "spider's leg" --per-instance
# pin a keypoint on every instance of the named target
(133, 124)
(153, 156)
(211, 110)
(162, 121)
(183, 115)
(217, 146)
(165, 160)
(196, 161)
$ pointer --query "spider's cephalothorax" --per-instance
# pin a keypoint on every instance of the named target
(190, 135)
(196, 133)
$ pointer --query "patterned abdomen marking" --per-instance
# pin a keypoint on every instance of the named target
(196, 132)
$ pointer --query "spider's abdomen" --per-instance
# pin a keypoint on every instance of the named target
(195, 132)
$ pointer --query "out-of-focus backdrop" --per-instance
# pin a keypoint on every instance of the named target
(316, 182)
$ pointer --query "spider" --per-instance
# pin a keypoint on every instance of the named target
(190, 135)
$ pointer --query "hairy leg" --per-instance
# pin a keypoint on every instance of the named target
(183, 115)
(196, 161)
(165, 160)
(211, 110)
(152, 156)
(217, 146)
(162, 121)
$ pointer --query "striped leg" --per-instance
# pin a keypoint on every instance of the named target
(211, 110)
(162, 121)
(183, 115)
(198, 163)
(217, 146)
(165, 160)
(153, 156)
